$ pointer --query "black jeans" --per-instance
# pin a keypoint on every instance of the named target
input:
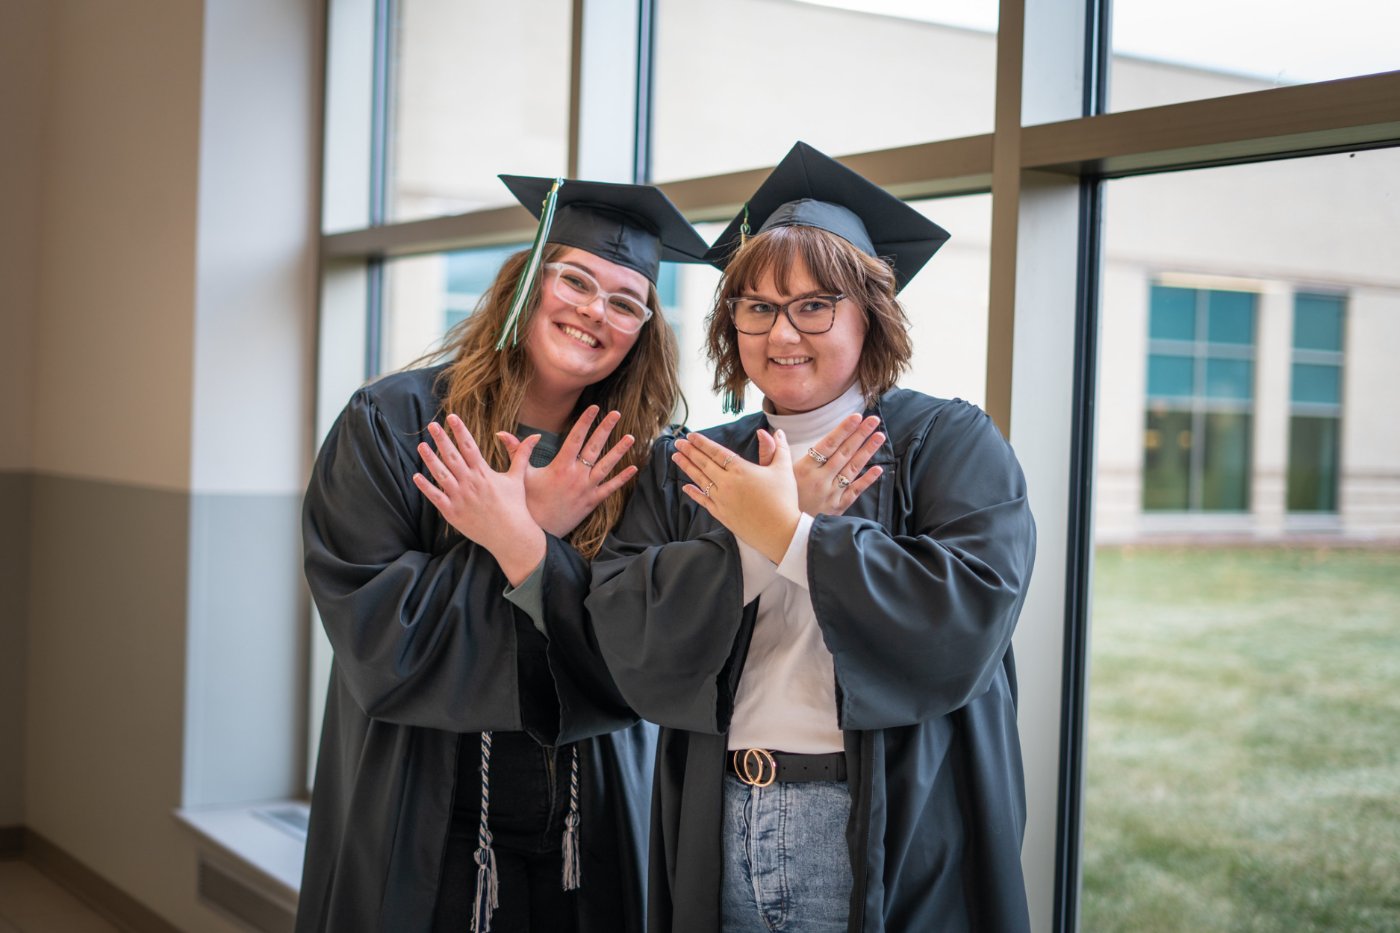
(529, 800)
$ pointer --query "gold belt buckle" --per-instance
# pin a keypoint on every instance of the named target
(752, 770)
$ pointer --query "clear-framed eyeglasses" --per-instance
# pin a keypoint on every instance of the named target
(814, 314)
(578, 288)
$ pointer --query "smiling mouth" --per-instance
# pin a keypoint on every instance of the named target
(587, 340)
(789, 360)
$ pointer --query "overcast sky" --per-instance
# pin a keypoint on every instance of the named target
(1274, 39)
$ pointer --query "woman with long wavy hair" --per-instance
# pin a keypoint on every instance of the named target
(478, 767)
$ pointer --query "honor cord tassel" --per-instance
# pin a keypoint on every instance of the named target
(487, 893)
(572, 874)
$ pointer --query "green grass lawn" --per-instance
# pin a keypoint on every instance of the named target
(1243, 768)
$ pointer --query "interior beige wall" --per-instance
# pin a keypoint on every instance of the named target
(123, 265)
(22, 77)
(113, 367)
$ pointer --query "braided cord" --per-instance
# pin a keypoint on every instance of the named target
(487, 892)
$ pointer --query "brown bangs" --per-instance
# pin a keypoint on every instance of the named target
(839, 268)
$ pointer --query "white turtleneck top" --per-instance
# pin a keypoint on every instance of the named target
(787, 694)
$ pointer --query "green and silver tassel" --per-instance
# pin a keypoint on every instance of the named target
(510, 331)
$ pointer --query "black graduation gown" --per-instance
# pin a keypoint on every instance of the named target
(427, 652)
(916, 589)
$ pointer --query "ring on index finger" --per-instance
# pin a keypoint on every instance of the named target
(817, 455)
(725, 464)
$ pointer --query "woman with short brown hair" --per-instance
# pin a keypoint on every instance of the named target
(816, 601)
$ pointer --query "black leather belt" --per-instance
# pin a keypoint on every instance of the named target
(759, 767)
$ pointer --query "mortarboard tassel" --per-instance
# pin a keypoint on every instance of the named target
(572, 874)
(744, 227)
(487, 889)
(532, 265)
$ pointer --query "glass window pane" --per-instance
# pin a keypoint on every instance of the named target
(1241, 703)
(479, 88)
(1170, 376)
(1194, 49)
(1230, 317)
(1167, 461)
(1225, 475)
(1317, 322)
(843, 75)
(1312, 383)
(1229, 379)
(1313, 454)
(1173, 314)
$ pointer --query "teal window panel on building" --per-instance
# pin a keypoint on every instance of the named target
(1317, 383)
(1229, 379)
(1198, 442)
(1173, 313)
(1230, 317)
(1317, 322)
(1170, 376)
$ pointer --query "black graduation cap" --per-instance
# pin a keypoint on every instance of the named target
(811, 189)
(632, 225)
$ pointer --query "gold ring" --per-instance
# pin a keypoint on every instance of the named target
(817, 455)
(706, 491)
(587, 463)
(842, 481)
(725, 464)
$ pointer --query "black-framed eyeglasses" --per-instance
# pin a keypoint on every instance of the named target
(578, 288)
(814, 314)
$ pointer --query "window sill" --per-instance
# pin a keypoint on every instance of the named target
(251, 858)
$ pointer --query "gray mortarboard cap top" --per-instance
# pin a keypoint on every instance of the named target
(811, 189)
(632, 225)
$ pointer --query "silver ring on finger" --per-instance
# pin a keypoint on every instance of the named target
(725, 464)
(842, 481)
(817, 455)
(587, 463)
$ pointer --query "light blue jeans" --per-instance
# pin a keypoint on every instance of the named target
(786, 866)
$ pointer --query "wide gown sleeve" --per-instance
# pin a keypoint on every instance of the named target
(919, 619)
(422, 632)
(667, 604)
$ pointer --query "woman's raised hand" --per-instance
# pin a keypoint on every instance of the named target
(829, 476)
(757, 502)
(574, 484)
(486, 506)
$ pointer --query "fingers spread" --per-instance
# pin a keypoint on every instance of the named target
(593, 448)
(446, 450)
(616, 483)
(434, 495)
(852, 492)
(829, 445)
(703, 450)
(861, 456)
(610, 460)
(440, 473)
(573, 444)
(520, 456)
(691, 468)
(465, 442)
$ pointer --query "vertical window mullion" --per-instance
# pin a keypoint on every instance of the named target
(380, 175)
